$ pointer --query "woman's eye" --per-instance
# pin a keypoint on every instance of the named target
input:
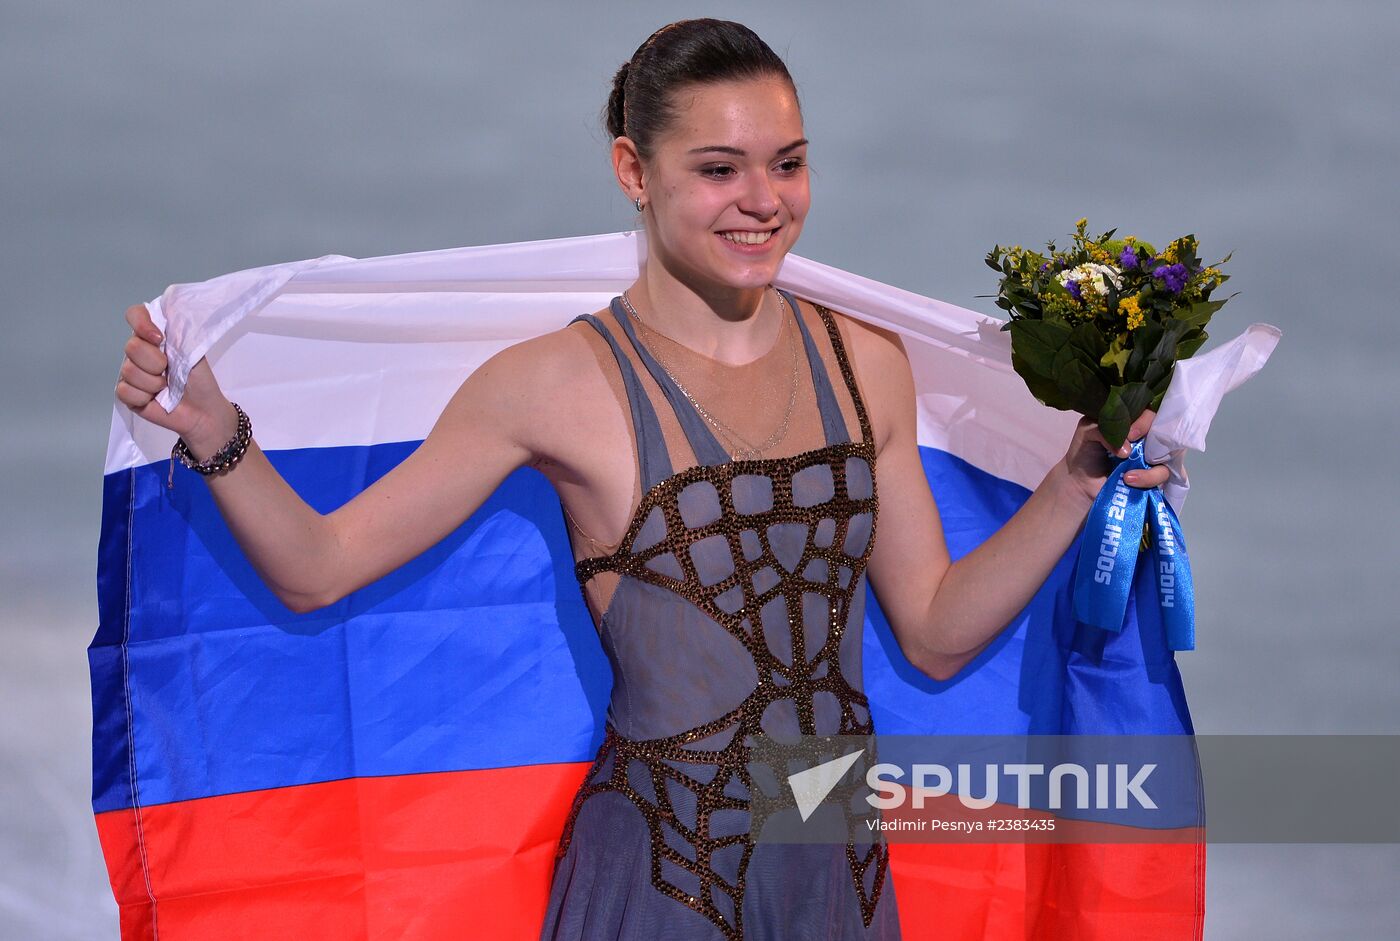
(791, 165)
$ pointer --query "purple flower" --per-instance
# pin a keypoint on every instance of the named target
(1174, 276)
(1073, 287)
(1129, 257)
(1045, 266)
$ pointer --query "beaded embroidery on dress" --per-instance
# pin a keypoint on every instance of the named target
(736, 609)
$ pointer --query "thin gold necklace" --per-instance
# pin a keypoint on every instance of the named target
(744, 447)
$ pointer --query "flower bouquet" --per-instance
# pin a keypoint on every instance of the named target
(1097, 329)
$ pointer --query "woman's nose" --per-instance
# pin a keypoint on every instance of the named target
(760, 198)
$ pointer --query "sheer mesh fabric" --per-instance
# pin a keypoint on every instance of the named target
(751, 399)
(731, 610)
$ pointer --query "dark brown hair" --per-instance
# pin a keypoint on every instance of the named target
(686, 52)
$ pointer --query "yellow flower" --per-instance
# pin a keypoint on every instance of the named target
(1128, 307)
(1130, 239)
(1172, 254)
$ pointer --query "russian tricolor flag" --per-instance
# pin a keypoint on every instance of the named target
(399, 764)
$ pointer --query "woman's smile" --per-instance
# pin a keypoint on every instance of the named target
(749, 241)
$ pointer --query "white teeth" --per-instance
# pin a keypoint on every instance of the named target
(748, 238)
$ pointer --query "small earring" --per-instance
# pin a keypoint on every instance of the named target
(638, 203)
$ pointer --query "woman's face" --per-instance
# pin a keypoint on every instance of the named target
(727, 184)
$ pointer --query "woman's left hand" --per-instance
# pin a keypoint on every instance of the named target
(1089, 460)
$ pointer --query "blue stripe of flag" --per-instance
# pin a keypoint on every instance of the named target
(480, 652)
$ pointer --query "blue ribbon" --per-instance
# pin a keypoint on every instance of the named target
(1108, 557)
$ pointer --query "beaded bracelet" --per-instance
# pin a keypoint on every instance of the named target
(224, 458)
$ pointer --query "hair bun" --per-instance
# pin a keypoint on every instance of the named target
(617, 102)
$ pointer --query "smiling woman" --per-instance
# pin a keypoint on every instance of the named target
(718, 445)
(730, 589)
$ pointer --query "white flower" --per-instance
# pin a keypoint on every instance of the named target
(1091, 275)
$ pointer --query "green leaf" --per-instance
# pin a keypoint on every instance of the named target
(1071, 379)
(1145, 340)
(1121, 408)
(1117, 359)
(1190, 343)
(1044, 388)
(1075, 368)
(1082, 385)
(1034, 346)
(1113, 419)
(1163, 356)
(1089, 341)
(1038, 341)
(1199, 313)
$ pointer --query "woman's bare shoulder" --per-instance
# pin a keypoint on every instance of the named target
(555, 378)
(544, 365)
(881, 367)
(870, 340)
(874, 351)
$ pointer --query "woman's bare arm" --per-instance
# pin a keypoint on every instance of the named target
(310, 559)
(474, 445)
(945, 613)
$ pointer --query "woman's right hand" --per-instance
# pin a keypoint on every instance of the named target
(203, 416)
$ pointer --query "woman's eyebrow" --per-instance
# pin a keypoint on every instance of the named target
(722, 149)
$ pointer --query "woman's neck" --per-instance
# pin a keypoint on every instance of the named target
(731, 325)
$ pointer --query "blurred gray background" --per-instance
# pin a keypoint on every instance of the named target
(145, 144)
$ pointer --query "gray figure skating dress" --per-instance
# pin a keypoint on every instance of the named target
(737, 608)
